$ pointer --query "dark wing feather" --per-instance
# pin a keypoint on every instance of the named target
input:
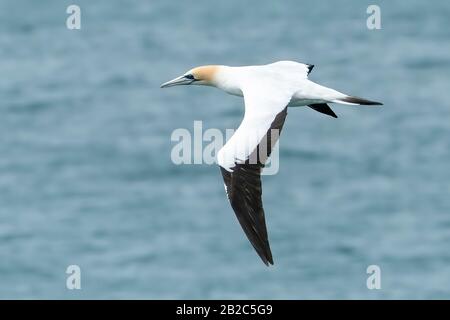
(243, 186)
(323, 108)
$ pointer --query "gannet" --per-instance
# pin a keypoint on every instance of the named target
(268, 90)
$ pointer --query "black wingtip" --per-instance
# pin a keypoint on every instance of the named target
(323, 108)
(268, 261)
(333, 115)
(263, 250)
(310, 67)
(266, 255)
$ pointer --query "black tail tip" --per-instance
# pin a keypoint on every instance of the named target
(361, 101)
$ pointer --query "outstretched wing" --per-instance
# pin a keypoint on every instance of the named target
(243, 186)
(242, 159)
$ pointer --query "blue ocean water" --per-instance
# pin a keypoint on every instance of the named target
(86, 176)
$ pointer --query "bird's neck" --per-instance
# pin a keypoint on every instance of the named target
(227, 79)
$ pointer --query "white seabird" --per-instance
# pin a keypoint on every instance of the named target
(267, 90)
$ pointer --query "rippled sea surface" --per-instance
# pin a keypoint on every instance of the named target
(86, 176)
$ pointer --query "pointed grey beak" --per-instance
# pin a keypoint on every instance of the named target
(177, 82)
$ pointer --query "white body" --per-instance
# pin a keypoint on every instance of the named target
(288, 74)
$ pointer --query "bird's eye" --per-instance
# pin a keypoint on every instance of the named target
(189, 76)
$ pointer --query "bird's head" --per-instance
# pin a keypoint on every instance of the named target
(204, 75)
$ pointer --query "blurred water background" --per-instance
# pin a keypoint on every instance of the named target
(86, 176)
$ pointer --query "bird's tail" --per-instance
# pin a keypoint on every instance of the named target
(352, 100)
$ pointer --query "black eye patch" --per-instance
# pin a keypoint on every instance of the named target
(189, 76)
